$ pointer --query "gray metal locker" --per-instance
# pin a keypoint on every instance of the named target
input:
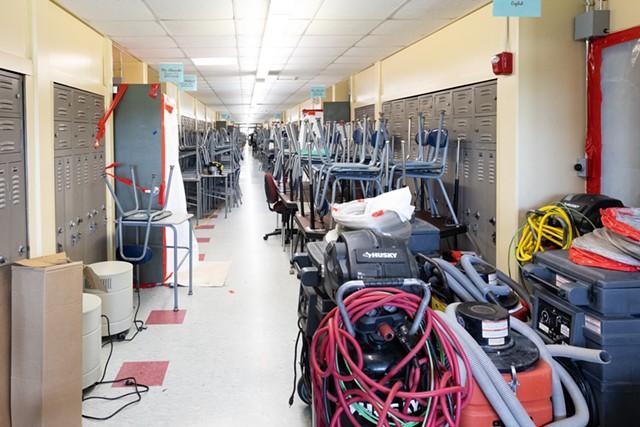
(10, 94)
(97, 108)
(81, 105)
(367, 111)
(61, 226)
(462, 128)
(62, 136)
(463, 102)
(11, 135)
(442, 101)
(426, 106)
(486, 98)
(485, 130)
(82, 135)
(62, 102)
(17, 207)
(5, 216)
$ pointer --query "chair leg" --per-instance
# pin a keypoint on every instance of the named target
(448, 202)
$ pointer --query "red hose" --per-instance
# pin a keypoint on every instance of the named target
(332, 342)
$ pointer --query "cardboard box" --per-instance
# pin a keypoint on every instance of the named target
(5, 345)
(46, 342)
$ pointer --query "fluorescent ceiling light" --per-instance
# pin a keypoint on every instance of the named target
(220, 60)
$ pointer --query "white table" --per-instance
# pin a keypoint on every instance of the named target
(171, 222)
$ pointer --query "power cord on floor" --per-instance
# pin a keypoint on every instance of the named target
(139, 324)
(129, 381)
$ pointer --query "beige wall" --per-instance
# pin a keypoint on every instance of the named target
(624, 14)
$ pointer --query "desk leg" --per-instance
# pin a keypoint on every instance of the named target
(175, 267)
(190, 258)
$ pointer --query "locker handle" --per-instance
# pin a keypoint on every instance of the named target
(492, 220)
(22, 250)
(2, 260)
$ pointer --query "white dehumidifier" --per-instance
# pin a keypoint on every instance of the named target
(91, 339)
(117, 302)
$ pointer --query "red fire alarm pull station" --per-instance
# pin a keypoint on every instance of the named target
(502, 63)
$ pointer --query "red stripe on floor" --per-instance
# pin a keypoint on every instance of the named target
(201, 257)
(206, 227)
(147, 373)
(166, 317)
(203, 239)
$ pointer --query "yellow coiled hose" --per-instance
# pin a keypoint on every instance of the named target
(542, 232)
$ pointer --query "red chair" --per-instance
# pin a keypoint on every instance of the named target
(276, 205)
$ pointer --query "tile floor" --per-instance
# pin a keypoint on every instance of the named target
(226, 358)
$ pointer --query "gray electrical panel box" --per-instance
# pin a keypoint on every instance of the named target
(13, 188)
(594, 23)
(80, 206)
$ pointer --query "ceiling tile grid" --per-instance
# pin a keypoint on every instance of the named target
(310, 42)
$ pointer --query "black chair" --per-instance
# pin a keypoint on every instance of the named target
(276, 205)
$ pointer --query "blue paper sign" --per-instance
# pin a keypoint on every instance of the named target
(523, 8)
(190, 83)
(318, 91)
(226, 117)
(277, 116)
(173, 73)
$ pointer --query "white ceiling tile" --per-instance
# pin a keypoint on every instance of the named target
(320, 51)
(380, 52)
(357, 60)
(206, 41)
(219, 70)
(129, 28)
(210, 52)
(450, 9)
(380, 41)
(192, 9)
(327, 41)
(341, 27)
(296, 27)
(251, 9)
(250, 27)
(249, 52)
(357, 9)
(221, 27)
(155, 62)
(157, 53)
(249, 41)
(317, 61)
(145, 42)
(91, 10)
(403, 29)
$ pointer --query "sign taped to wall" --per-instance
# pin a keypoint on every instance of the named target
(523, 8)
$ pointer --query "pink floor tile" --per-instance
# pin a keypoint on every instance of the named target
(166, 317)
(203, 239)
(147, 373)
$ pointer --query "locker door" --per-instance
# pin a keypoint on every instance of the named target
(97, 108)
(462, 128)
(73, 205)
(61, 226)
(62, 135)
(490, 208)
(98, 212)
(82, 135)
(463, 102)
(18, 249)
(469, 192)
(62, 102)
(442, 101)
(485, 130)
(10, 94)
(425, 106)
(10, 135)
(5, 218)
(485, 98)
(81, 105)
